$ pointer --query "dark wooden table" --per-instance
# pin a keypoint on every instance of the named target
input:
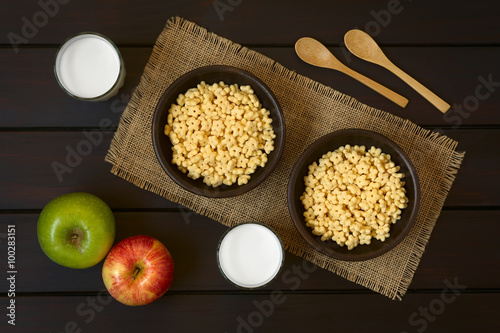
(452, 47)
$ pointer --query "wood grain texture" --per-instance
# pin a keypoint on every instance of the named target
(192, 239)
(265, 22)
(34, 154)
(28, 160)
(31, 73)
(258, 313)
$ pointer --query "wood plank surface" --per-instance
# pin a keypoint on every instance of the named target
(269, 312)
(34, 154)
(48, 106)
(259, 22)
(192, 239)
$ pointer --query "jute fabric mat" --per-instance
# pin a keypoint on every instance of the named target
(311, 111)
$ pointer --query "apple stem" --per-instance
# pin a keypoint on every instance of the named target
(75, 237)
(137, 270)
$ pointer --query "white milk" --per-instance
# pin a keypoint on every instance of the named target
(88, 66)
(250, 255)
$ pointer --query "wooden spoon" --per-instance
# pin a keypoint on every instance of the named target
(315, 53)
(363, 46)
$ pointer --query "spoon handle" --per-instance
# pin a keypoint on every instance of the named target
(426, 93)
(386, 92)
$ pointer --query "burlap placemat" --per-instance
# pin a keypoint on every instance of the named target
(311, 110)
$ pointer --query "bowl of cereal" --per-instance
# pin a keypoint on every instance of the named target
(218, 131)
(353, 194)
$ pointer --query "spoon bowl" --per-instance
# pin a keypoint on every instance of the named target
(364, 47)
(316, 54)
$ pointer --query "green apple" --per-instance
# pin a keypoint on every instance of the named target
(76, 230)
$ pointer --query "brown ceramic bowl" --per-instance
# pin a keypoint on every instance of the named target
(215, 74)
(331, 142)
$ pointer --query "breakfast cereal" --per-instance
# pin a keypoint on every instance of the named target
(220, 132)
(353, 195)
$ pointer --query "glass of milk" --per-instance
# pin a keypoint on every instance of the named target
(250, 255)
(89, 67)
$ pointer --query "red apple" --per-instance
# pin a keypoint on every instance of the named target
(138, 270)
